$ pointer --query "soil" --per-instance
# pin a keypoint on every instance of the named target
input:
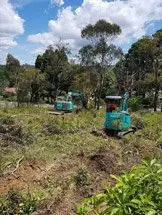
(60, 173)
(27, 173)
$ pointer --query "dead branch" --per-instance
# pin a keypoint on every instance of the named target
(18, 164)
(12, 171)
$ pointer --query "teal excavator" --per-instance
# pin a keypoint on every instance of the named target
(117, 118)
(73, 102)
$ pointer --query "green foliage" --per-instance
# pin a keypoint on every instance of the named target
(53, 129)
(138, 121)
(12, 69)
(136, 192)
(110, 83)
(16, 203)
(54, 64)
(6, 120)
(147, 102)
(98, 55)
(100, 29)
(30, 84)
(11, 131)
(81, 177)
(140, 69)
(134, 103)
(59, 156)
(3, 79)
(11, 97)
(153, 130)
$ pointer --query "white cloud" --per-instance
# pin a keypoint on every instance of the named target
(37, 51)
(133, 16)
(57, 2)
(11, 25)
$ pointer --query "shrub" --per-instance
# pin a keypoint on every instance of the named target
(6, 120)
(134, 103)
(138, 121)
(52, 129)
(9, 130)
(81, 177)
(147, 102)
(136, 192)
(15, 203)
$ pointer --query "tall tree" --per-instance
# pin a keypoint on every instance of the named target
(157, 40)
(12, 69)
(141, 68)
(30, 85)
(54, 64)
(100, 53)
(3, 78)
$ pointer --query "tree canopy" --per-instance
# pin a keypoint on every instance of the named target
(102, 68)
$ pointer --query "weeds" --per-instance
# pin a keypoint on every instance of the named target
(136, 192)
(50, 139)
(138, 121)
(16, 203)
(81, 177)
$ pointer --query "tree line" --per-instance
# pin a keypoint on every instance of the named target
(103, 69)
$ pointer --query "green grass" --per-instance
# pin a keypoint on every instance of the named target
(42, 145)
(67, 142)
(75, 133)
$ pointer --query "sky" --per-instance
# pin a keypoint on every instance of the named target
(27, 27)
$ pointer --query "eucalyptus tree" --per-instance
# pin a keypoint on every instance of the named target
(100, 53)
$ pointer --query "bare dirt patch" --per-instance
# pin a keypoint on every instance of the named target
(104, 160)
(57, 177)
(27, 173)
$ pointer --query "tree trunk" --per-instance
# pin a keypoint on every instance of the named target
(156, 98)
(100, 91)
(157, 87)
(95, 99)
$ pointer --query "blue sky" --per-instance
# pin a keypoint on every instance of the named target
(27, 27)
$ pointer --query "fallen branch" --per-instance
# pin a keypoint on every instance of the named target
(18, 164)
(12, 171)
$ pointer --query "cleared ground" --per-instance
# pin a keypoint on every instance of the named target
(60, 161)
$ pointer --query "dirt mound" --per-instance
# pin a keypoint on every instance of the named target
(104, 161)
(11, 133)
(26, 173)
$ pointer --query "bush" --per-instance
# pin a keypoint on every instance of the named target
(15, 203)
(52, 129)
(136, 192)
(11, 97)
(9, 130)
(6, 120)
(134, 103)
(13, 132)
(81, 177)
(147, 102)
(138, 121)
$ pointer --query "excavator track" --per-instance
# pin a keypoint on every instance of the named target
(107, 133)
(122, 134)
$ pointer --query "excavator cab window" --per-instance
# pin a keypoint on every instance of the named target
(113, 103)
(60, 98)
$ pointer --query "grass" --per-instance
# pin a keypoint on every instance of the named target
(55, 148)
